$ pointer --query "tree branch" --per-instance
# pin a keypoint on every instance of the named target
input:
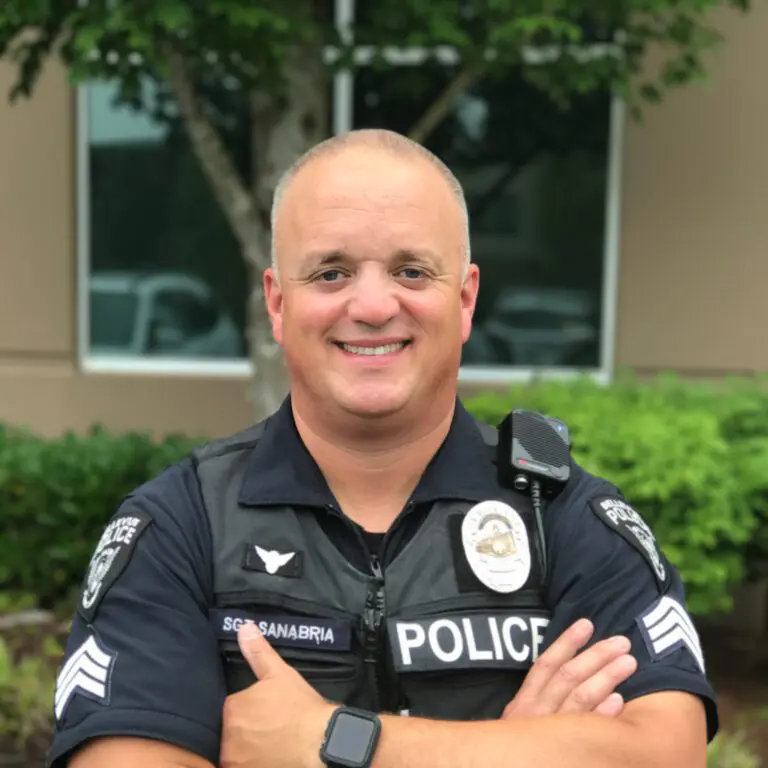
(228, 187)
(442, 105)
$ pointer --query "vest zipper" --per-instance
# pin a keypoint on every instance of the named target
(373, 619)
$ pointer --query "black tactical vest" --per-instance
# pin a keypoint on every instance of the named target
(422, 636)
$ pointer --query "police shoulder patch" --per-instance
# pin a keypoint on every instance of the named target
(109, 559)
(622, 518)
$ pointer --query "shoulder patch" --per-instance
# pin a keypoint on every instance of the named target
(667, 627)
(620, 517)
(87, 672)
(109, 559)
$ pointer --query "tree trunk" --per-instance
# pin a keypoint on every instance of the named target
(284, 125)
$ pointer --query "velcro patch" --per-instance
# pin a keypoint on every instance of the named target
(276, 562)
(620, 517)
(285, 631)
(467, 641)
(466, 581)
(109, 559)
(666, 627)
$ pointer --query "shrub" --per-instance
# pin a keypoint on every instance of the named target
(56, 496)
(732, 750)
(690, 457)
(27, 681)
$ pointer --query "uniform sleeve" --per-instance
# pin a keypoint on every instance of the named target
(605, 565)
(141, 658)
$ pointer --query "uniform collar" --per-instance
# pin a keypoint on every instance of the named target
(282, 472)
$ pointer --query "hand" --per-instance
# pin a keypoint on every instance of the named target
(561, 681)
(279, 721)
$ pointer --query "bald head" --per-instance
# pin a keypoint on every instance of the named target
(399, 146)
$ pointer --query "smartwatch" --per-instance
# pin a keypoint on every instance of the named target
(350, 738)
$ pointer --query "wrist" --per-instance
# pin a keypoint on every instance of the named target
(317, 725)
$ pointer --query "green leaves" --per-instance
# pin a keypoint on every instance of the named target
(248, 40)
(690, 457)
(57, 495)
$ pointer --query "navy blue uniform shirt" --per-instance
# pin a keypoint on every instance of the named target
(142, 658)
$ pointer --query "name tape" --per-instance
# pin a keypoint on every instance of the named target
(467, 641)
(286, 631)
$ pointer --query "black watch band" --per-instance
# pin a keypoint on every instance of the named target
(351, 738)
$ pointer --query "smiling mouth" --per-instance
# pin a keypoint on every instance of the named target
(384, 349)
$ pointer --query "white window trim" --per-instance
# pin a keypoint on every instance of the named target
(343, 120)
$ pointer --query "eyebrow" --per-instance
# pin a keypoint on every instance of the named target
(317, 259)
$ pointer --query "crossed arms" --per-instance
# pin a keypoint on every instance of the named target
(564, 716)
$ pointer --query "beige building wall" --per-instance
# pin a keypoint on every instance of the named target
(693, 277)
(693, 286)
(40, 384)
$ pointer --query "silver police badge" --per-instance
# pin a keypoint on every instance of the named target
(495, 542)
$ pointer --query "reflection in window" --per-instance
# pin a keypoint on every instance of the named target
(535, 181)
(167, 277)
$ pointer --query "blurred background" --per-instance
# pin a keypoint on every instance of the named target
(624, 287)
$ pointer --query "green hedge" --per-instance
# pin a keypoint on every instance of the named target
(55, 497)
(692, 458)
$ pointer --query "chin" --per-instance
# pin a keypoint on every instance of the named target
(373, 404)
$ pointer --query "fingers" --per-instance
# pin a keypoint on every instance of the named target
(583, 679)
(263, 659)
(555, 657)
(566, 679)
(612, 706)
(598, 686)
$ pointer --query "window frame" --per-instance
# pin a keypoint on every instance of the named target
(342, 121)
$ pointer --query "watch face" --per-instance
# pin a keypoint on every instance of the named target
(350, 739)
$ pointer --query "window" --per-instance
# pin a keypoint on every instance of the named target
(535, 179)
(166, 282)
(540, 185)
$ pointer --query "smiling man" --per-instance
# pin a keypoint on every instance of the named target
(346, 581)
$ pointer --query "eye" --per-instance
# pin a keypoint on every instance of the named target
(330, 275)
(412, 273)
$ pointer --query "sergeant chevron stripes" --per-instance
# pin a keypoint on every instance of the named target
(666, 626)
(88, 670)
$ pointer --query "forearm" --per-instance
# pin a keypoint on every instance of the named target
(557, 741)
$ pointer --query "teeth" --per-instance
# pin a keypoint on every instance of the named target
(383, 350)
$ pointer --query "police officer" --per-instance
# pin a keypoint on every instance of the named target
(349, 582)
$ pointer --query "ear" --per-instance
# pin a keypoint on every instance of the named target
(273, 296)
(468, 299)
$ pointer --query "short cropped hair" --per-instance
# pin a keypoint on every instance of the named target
(377, 138)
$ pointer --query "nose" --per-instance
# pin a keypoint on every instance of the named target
(373, 301)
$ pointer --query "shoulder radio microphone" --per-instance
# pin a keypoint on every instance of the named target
(533, 455)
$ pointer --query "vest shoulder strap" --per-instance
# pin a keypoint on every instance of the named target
(246, 438)
(490, 435)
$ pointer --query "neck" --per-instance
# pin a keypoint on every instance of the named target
(372, 468)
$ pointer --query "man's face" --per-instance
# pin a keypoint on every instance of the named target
(373, 300)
